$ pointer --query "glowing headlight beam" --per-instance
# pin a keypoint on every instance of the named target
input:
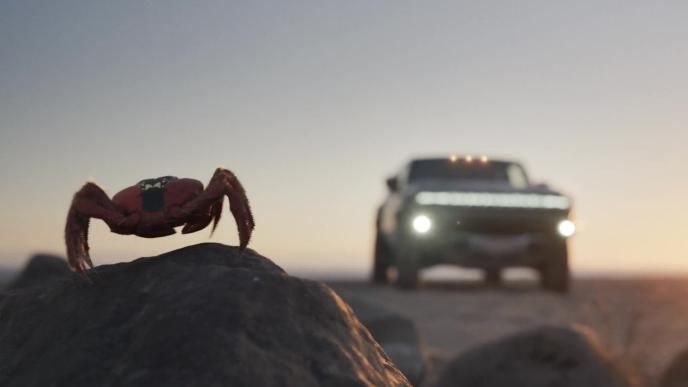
(566, 228)
(490, 199)
(422, 224)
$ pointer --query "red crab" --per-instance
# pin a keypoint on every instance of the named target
(153, 208)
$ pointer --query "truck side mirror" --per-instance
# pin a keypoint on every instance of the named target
(393, 184)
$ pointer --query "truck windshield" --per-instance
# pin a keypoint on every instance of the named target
(445, 169)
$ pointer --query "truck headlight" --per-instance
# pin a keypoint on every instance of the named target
(566, 228)
(421, 224)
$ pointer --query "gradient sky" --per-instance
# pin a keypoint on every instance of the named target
(313, 103)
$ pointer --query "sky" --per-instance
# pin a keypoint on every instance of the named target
(314, 103)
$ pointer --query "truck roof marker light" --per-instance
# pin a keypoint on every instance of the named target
(453, 158)
(484, 159)
(469, 159)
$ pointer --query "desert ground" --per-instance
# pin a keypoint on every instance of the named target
(642, 323)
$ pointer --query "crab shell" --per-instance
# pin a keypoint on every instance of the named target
(152, 199)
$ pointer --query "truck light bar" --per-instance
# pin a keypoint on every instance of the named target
(489, 199)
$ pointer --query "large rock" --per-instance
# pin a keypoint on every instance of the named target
(204, 315)
(676, 375)
(543, 357)
(40, 269)
(397, 335)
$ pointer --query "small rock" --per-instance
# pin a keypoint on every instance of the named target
(676, 375)
(543, 357)
(396, 334)
(40, 269)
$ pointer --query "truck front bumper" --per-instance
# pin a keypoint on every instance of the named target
(476, 250)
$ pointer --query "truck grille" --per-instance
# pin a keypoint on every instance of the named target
(498, 223)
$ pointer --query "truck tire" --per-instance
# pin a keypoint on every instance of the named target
(407, 271)
(381, 262)
(554, 273)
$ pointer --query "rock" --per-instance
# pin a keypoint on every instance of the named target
(676, 375)
(205, 315)
(41, 269)
(397, 335)
(543, 357)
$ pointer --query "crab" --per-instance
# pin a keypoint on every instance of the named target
(153, 208)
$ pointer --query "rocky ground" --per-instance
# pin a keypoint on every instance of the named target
(641, 322)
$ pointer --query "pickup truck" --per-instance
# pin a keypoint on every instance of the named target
(474, 212)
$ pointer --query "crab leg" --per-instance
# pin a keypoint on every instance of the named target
(216, 214)
(89, 202)
(224, 182)
(239, 206)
